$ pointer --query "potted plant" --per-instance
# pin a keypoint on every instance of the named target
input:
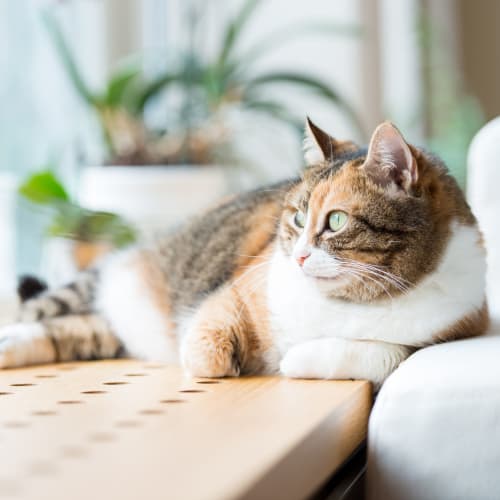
(197, 137)
(77, 236)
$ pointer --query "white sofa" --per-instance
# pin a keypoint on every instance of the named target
(434, 432)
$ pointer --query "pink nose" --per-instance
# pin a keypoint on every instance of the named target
(302, 259)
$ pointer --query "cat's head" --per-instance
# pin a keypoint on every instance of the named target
(364, 224)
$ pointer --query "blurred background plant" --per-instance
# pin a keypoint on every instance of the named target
(452, 115)
(69, 219)
(197, 130)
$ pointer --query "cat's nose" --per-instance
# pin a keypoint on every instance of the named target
(302, 259)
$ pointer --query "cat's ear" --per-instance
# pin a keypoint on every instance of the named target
(390, 162)
(318, 145)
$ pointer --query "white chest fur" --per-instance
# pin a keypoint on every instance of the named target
(299, 311)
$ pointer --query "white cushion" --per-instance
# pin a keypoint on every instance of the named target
(434, 432)
(483, 181)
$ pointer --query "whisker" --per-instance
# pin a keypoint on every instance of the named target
(373, 275)
(360, 274)
(379, 271)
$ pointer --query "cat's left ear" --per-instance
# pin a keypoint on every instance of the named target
(320, 146)
(390, 161)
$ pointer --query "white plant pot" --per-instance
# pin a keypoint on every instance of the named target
(153, 198)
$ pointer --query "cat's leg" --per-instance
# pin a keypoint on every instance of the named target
(64, 338)
(335, 358)
(217, 339)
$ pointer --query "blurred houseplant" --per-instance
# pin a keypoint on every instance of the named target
(207, 93)
(77, 236)
(453, 116)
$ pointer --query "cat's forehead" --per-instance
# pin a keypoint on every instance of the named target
(340, 177)
(356, 157)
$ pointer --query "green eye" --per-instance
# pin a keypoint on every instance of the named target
(337, 220)
(299, 219)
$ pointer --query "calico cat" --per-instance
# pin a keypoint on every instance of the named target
(338, 274)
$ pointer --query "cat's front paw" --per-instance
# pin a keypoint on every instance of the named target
(206, 354)
(303, 361)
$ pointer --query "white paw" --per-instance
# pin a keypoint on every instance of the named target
(22, 344)
(302, 361)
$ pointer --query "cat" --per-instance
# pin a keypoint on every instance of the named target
(341, 273)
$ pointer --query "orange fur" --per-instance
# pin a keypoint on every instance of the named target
(230, 331)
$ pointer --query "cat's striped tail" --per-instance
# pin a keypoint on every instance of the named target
(38, 303)
(64, 338)
(58, 325)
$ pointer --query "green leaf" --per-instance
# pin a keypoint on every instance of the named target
(119, 83)
(234, 30)
(314, 85)
(66, 221)
(153, 88)
(67, 58)
(105, 226)
(71, 220)
(43, 188)
(74, 222)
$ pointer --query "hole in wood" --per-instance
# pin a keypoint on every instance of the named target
(22, 384)
(48, 375)
(44, 413)
(5, 393)
(173, 401)
(102, 437)
(128, 423)
(94, 392)
(118, 382)
(16, 424)
(151, 411)
(136, 374)
(70, 402)
(40, 468)
(74, 451)
(67, 367)
(191, 390)
(208, 382)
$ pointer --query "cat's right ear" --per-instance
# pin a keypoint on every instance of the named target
(390, 161)
(320, 146)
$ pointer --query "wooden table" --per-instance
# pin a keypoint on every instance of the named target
(130, 430)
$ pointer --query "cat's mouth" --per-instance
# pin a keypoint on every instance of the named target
(326, 278)
(319, 277)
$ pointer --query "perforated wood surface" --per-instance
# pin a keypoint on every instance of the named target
(130, 430)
